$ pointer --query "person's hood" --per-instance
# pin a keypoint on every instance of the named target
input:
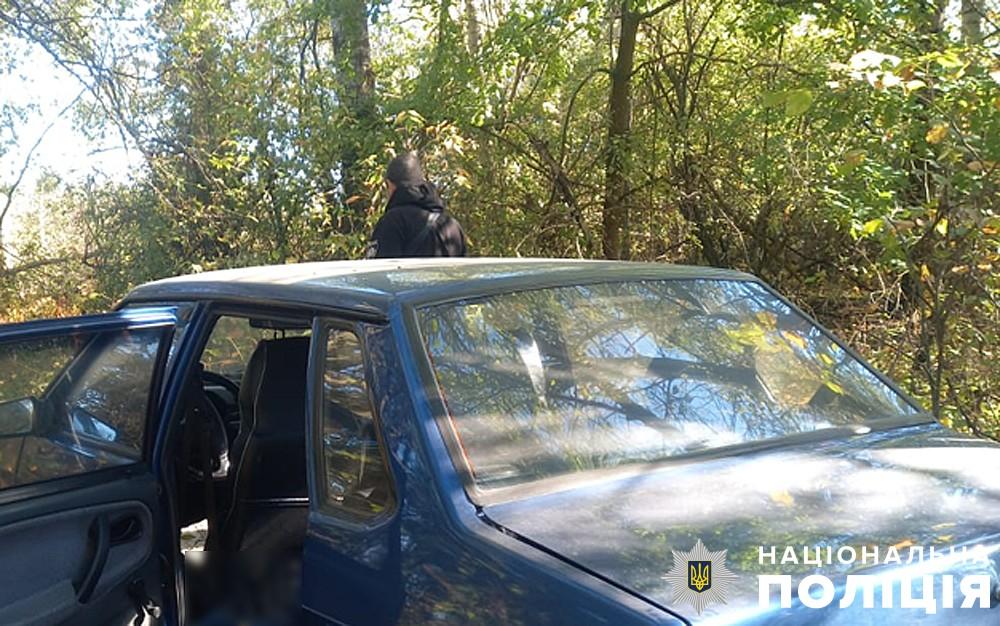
(919, 486)
(423, 195)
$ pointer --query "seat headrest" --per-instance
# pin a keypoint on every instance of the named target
(274, 385)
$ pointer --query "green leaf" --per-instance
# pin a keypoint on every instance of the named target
(772, 99)
(948, 59)
(798, 102)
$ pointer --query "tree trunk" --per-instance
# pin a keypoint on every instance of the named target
(472, 34)
(355, 80)
(972, 21)
(925, 297)
(615, 222)
(932, 14)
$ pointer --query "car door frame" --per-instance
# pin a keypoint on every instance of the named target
(207, 308)
(196, 335)
(51, 500)
(177, 368)
(325, 527)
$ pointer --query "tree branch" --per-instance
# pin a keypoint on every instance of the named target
(12, 189)
(31, 265)
(657, 10)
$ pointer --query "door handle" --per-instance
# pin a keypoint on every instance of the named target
(100, 539)
(125, 530)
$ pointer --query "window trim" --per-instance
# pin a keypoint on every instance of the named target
(322, 326)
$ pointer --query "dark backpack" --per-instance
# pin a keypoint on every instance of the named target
(436, 222)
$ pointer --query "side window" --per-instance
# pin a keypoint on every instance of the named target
(356, 483)
(74, 403)
(233, 341)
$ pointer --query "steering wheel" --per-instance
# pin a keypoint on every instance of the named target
(218, 379)
(218, 442)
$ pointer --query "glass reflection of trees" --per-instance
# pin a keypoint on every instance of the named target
(559, 380)
(357, 482)
(91, 393)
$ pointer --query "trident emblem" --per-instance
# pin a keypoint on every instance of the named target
(699, 575)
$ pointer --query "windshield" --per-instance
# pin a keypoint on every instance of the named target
(553, 381)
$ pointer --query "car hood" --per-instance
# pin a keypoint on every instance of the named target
(918, 486)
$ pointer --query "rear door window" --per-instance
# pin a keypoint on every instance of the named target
(355, 479)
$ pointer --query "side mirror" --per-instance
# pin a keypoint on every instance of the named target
(17, 417)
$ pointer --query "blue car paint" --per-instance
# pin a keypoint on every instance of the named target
(799, 495)
(436, 559)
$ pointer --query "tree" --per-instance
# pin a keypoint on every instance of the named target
(615, 241)
(355, 82)
(972, 21)
(845, 152)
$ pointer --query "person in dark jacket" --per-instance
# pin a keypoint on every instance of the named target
(415, 222)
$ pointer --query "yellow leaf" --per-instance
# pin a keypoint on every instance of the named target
(782, 497)
(855, 157)
(942, 227)
(767, 319)
(871, 226)
(937, 133)
(925, 272)
(978, 166)
(835, 388)
(794, 339)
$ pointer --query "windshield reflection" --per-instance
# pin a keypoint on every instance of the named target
(554, 381)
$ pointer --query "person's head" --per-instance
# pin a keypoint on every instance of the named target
(402, 170)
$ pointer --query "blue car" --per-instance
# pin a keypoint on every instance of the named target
(477, 441)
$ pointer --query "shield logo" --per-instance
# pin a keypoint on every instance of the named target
(699, 575)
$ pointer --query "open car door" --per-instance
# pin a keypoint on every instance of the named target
(78, 502)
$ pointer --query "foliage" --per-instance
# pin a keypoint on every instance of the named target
(846, 151)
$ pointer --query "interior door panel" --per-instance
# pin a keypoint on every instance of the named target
(71, 558)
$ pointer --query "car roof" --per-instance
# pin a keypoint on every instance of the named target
(368, 288)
